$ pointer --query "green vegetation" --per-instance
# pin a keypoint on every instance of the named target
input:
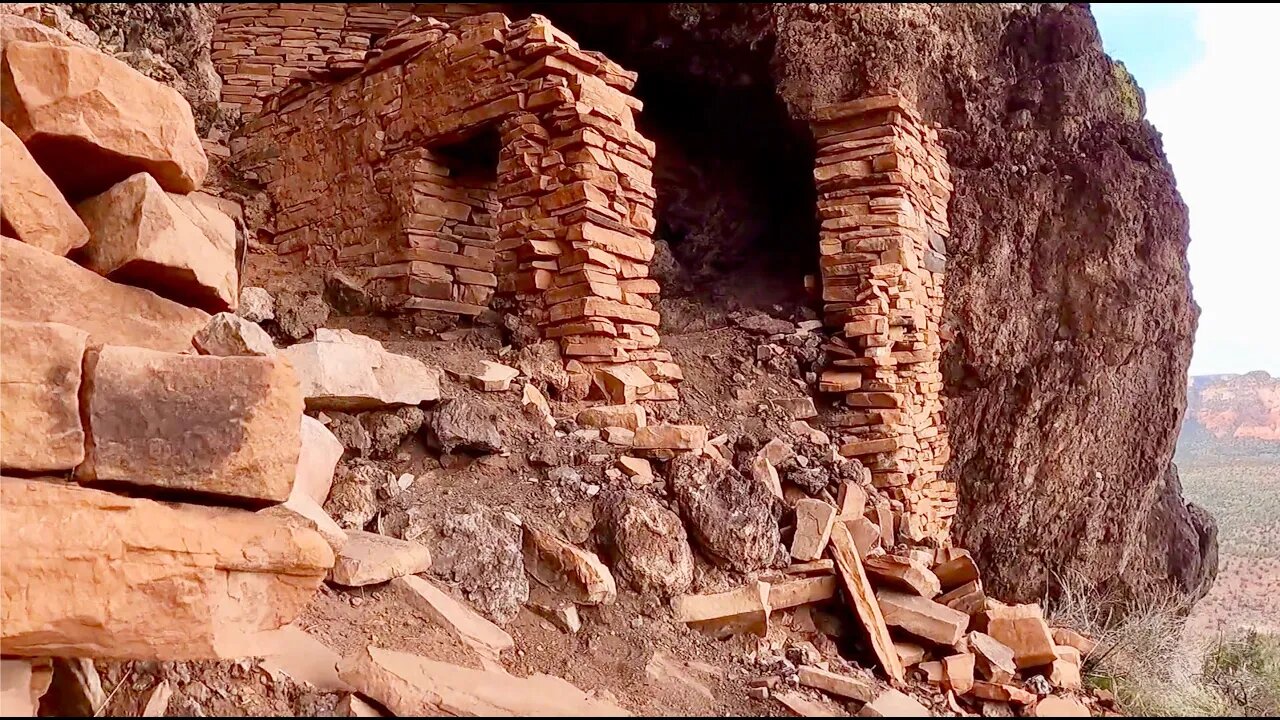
(1127, 91)
(1242, 491)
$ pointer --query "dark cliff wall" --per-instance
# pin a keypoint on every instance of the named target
(1067, 286)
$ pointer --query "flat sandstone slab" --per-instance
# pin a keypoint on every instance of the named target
(222, 425)
(40, 428)
(92, 121)
(38, 286)
(94, 574)
(410, 685)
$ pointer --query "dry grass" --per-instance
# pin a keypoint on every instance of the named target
(1143, 659)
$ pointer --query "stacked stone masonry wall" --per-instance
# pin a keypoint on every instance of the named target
(359, 170)
(883, 189)
(260, 48)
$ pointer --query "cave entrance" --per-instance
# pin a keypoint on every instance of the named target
(733, 171)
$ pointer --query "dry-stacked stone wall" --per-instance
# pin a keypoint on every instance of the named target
(471, 159)
(883, 189)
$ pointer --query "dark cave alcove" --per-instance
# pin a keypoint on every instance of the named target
(733, 171)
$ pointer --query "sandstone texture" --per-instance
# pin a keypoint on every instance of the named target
(139, 236)
(40, 375)
(228, 334)
(90, 584)
(369, 558)
(32, 205)
(41, 287)
(345, 371)
(318, 457)
(220, 425)
(91, 121)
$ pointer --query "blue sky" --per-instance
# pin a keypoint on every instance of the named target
(1211, 74)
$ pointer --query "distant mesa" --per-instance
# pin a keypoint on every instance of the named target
(1240, 407)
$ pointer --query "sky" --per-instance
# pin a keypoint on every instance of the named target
(1211, 74)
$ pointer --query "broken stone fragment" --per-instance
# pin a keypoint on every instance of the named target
(40, 368)
(791, 593)
(42, 287)
(814, 519)
(847, 686)
(922, 617)
(968, 599)
(352, 372)
(353, 498)
(777, 451)
(1071, 638)
(351, 705)
(317, 460)
(800, 408)
(220, 425)
(228, 335)
(866, 535)
(957, 571)
(491, 377)
(410, 685)
(1065, 674)
(851, 502)
(31, 205)
(139, 236)
(623, 384)
(463, 423)
(763, 472)
(1002, 693)
(536, 406)
(994, 658)
(256, 305)
(387, 429)
(894, 703)
(1057, 706)
(631, 417)
(557, 611)
(903, 573)
(452, 615)
(576, 573)
(745, 609)
(126, 578)
(733, 518)
(298, 314)
(293, 652)
(671, 437)
(103, 122)
(369, 558)
(957, 672)
(635, 467)
(1022, 629)
(909, 653)
(649, 546)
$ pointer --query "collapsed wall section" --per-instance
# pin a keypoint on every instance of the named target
(883, 188)
(364, 173)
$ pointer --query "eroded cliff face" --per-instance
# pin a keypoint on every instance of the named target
(1067, 288)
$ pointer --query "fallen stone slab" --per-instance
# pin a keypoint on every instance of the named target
(791, 593)
(994, 658)
(663, 668)
(1071, 638)
(1022, 629)
(318, 458)
(227, 426)
(456, 617)
(125, 578)
(293, 652)
(634, 467)
(847, 686)
(1002, 693)
(956, 570)
(957, 672)
(865, 534)
(623, 384)
(631, 417)
(31, 205)
(40, 369)
(922, 617)
(968, 598)
(346, 371)
(138, 236)
(742, 610)
(22, 683)
(41, 287)
(229, 335)
(411, 685)
(903, 573)
(369, 558)
(861, 596)
(1057, 706)
(814, 520)
(670, 437)
(576, 573)
(490, 377)
(103, 122)
(894, 703)
(535, 405)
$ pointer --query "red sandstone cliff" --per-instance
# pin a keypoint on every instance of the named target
(1244, 407)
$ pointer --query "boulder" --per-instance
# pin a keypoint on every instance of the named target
(346, 295)
(410, 685)
(346, 371)
(139, 236)
(463, 424)
(125, 578)
(388, 428)
(226, 426)
(256, 305)
(369, 558)
(40, 367)
(353, 499)
(38, 286)
(577, 574)
(31, 205)
(480, 552)
(649, 546)
(733, 518)
(317, 459)
(228, 334)
(91, 121)
(298, 314)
